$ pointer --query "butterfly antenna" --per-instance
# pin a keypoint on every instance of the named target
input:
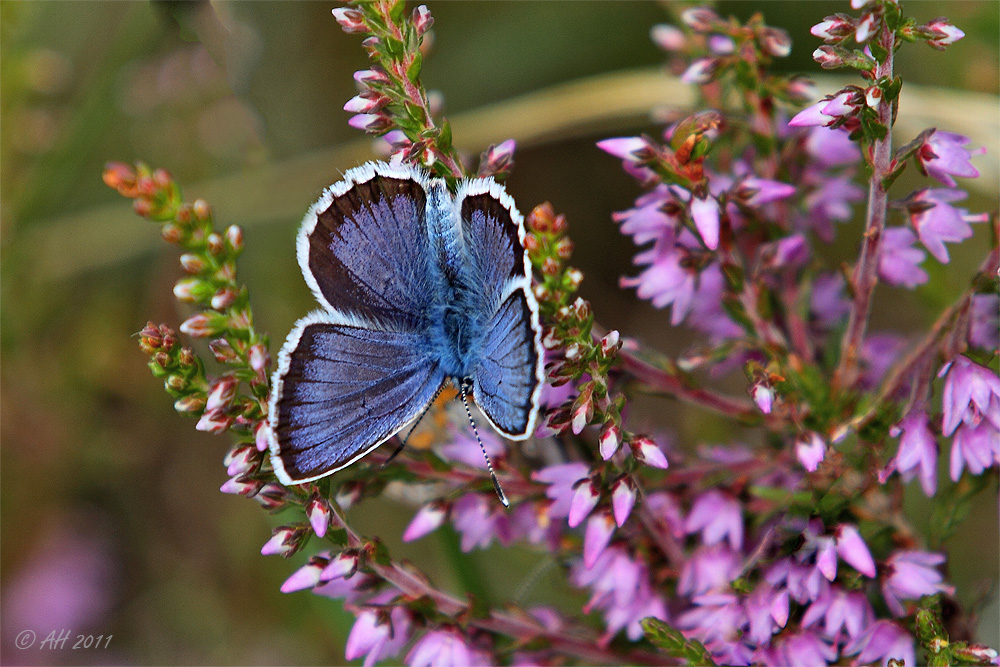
(405, 438)
(463, 387)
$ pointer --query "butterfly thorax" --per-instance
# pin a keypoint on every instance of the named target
(457, 338)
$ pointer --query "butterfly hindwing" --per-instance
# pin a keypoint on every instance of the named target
(343, 387)
(364, 246)
(507, 380)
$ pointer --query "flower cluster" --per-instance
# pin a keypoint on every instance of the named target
(790, 551)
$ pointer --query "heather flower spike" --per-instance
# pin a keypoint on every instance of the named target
(776, 549)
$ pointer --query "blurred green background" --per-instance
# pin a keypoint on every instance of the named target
(112, 522)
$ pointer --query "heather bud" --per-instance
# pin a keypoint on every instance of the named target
(214, 244)
(573, 278)
(701, 70)
(188, 289)
(192, 403)
(865, 29)
(350, 20)
(305, 577)
(223, 351)
(224, 298)
(202, 325)
(609, 441)
(262, 436)
(319, 512)
(367, 102)
(668, 37)
(833, 28)
(342, 566)
(944, 33)
(623, 493)
(610, 344)
(222, 393)
(259, 358)
(647, 451)
(214, 422)
(234, 237)
(585, 496)
(201, 209)
(241, 460)
(285, 540)
(421, 19)
(699, 19)
(272, 496)
(497, 159)
(192, 263)
(828, 57)
(775, 42)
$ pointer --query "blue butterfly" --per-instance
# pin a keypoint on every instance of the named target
(418, 287)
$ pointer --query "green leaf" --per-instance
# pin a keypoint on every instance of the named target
(413, 71)
(674, 643)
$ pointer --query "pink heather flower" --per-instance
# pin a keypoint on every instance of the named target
(829, 304)
(949, 34)
(305, 577)
(841, 105)
(585, 497)
(970, 392)
(707, 314)
(976, 446)
(597, 536)
(464, 448)
(805, 583)
(937, 222)
(717, 516)
(621, 589)
(427, 519)
(705, 214)
(912, 575)
(701, 70)
(350, 590)
(763, 396)
(899, 262)
(714, 617)
(479, 520)
(709, 568)
(262, 436)
(879, 353)
(202, 325)
(444, 648)
(883, 640)
(624, 148)
(561, 479)
(831, 202)
(760, 191)
(668, 37)
(368, 122)
(810, 449)
(831, 147)
(721, 45)
(647, 451)
(811, 116)
(840, 610)
(497, 159)
(917, 450)
(376, 639)
(623, 494)
(788, 252)
(666, 282)
(943, 156)
(775, 42)
(853, 550)
(984, 328)
(767, 612)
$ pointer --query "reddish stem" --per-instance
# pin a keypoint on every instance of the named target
(866, 271)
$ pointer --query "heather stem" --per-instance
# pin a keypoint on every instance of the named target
(866, 271)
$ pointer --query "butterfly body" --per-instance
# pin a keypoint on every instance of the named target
(418, 287)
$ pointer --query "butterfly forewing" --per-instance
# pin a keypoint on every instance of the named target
(364, 248)
(342, 388)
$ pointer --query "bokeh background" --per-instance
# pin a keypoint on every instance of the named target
(112, 522)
